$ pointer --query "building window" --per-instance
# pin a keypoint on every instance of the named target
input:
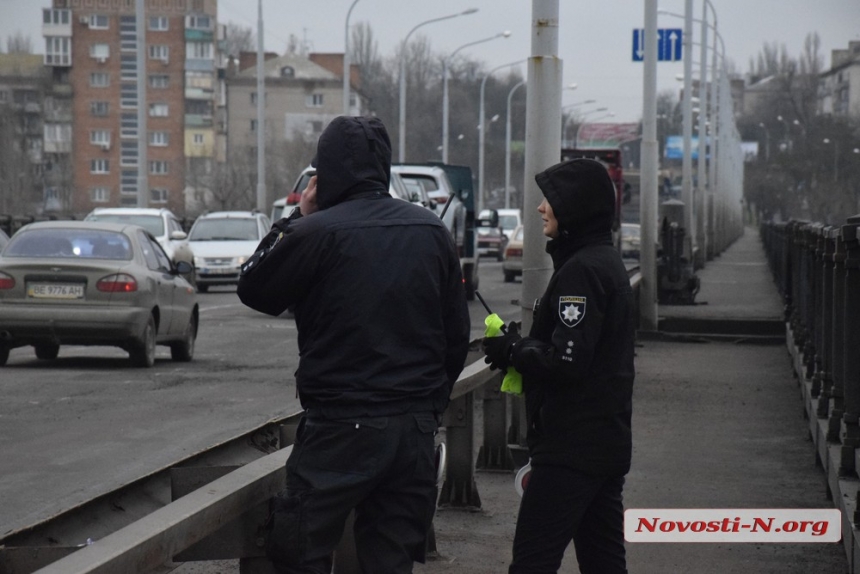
(158, 110)
(100, 194)
(254, 98)
(99, 166)
(158, 167)
(58, 51)
(159, 52)
(160, 139)
(98, 21)
(198, 50)
(128, 182)
(100, 137)
(198, 22)
(314, 101)
(99, 79)
(99, 108)
(158, 23)
(128, 126)
(128, 67)
(128, 96)
(253, 125)
(158, 195)
(128, 153)
(58, 133)
(198, 139)
(315, 127)
(159, 80)
(55, 17)
(288, 72)
(100, 52)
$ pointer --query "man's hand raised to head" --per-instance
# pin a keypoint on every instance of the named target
(308, 202)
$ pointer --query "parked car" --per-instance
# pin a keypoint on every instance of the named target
(222, 241)
(433, 180)
(94, 283)
(512, 264)
(160, 222)
(491, 238)
(509, 219)
(630, 240)
(4, 239)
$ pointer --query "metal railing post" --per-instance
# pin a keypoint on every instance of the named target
(848, 257)
(494, 453)
(459, 488)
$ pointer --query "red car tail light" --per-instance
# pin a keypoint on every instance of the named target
(118, 283)
(6, 282)
(513, 252)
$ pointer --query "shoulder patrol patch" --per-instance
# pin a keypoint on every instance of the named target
(571, 310)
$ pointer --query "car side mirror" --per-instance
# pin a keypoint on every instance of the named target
(184, 268)
(178, 235)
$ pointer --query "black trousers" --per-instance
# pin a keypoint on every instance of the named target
(560, 505)
(381, 467)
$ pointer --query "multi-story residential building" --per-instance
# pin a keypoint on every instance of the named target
(302, 97)
(35, 136)
(96, 42)
(839, 87)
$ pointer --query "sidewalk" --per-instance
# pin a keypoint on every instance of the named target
(717, 424)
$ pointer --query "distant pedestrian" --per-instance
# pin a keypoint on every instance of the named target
(383, 332)
(577, 369)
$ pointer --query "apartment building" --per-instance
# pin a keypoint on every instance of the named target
(95, 43)
(839, 87)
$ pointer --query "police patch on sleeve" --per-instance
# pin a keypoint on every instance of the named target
(571, 310)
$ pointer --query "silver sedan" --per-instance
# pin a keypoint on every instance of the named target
(94, 283)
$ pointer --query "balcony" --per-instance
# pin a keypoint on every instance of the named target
(198, 121)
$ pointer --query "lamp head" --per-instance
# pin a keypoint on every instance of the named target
(506, 34)
(469, 11)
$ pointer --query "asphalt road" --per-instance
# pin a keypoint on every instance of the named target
(87, 423)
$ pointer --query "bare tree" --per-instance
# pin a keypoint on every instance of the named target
(239, 39)
(18, 43)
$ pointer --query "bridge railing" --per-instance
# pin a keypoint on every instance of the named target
(817, 271)
(226, 518)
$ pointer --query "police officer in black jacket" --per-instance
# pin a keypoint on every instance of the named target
(383, 332)
(577, 368)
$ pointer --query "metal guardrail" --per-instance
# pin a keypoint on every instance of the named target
(174, 529)
(817, 270)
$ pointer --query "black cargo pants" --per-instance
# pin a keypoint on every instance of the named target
(561, 504)
(382, 467)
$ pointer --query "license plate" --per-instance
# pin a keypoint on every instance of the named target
(55, 291)
(217, 271)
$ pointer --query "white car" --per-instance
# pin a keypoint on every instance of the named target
(509, 220)
(438, 188)
(159, 222)
(222, 241)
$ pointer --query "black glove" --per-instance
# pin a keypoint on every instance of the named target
(498, 349)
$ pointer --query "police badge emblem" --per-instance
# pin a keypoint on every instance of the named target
(571, 310)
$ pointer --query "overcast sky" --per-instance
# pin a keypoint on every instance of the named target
(595, 36)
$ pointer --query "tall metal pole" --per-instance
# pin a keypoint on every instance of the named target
(261, 120)
(649, 151)
(482, 130)
(346, 63)
(701, 187)
(543, 138)
(445, 114)
(687, 118)
(508, 147)
(142, 132)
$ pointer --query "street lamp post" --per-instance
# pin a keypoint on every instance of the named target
(766, 142)
(346, 64)
(445, 132)
(482, 128)
(583, 116)
(401, 148)
(508, 146)
(583, 124)
(835, 158)
(567, 120)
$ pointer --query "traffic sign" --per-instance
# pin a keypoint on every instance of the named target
(670, 42)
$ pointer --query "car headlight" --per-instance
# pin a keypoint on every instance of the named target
(198, 261)
(241, 260)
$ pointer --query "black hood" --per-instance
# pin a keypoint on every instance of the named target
(353, 158)
(582, 197)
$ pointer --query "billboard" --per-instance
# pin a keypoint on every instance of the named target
(675, 147)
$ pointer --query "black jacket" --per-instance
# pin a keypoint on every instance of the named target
(375, 281)
(577, 362)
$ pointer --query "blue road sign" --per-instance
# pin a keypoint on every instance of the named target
(670, 43)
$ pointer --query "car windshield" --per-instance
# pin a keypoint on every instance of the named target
(152, 223)
(70, 243)
(520, 234)
(508, 221)
(627, 231)
(224, 229)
